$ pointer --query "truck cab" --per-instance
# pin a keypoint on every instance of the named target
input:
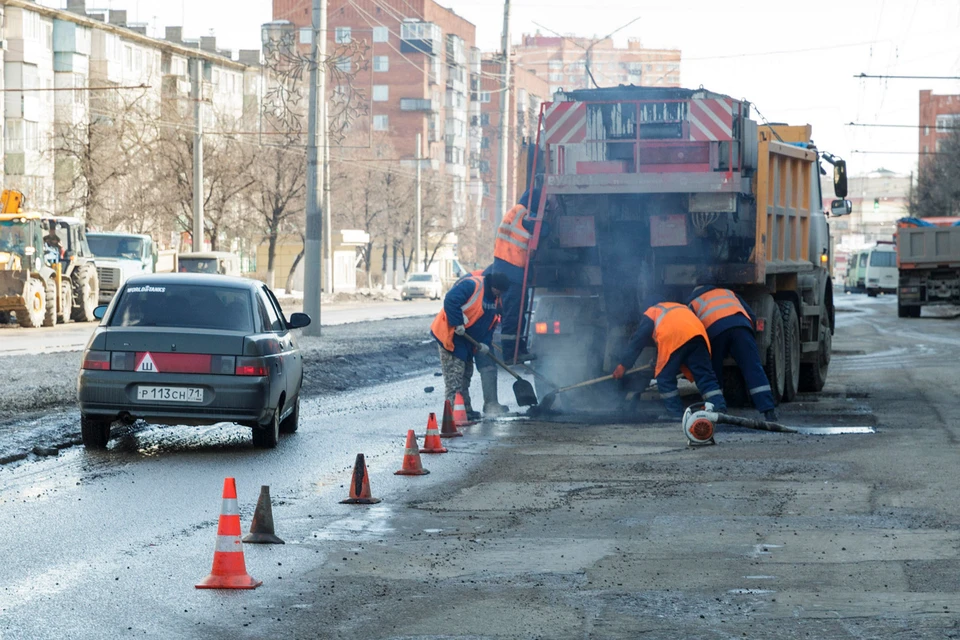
(119, 256)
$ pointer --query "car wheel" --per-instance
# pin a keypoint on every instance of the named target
(94, 432)
(266, 436)
(291, 423)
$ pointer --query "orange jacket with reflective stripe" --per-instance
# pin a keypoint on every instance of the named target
(512, 238)
(717, 304)
(472, 311)
(673, 326)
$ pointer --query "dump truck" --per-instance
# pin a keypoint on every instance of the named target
(42, 284)
(928, 264)
(649, 192)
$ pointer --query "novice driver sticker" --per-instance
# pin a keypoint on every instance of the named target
(146, 364)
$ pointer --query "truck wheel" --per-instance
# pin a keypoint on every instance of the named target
(50, 303)
(85, 285)
(31, 315)
(66, 301)
(94, 432)
(735, 388)
(775, 365)
(791, 349)
(908, 311)
(813, 375)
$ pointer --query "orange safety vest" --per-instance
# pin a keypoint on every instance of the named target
(673, 326)
(717, 304)
(472, 311)
(512, 239)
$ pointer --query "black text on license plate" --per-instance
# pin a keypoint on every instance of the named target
(169, 394)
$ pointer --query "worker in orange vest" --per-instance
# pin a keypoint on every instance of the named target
(471, 308)
(510, 252)
(681, 341)
(730, 323)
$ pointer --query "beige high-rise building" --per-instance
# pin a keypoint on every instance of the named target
(563, 62)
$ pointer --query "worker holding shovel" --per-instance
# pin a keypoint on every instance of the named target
(469, 309)
(681, 343)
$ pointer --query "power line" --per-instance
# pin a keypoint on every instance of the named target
(922, 153)
(900, 126)
(882, 77)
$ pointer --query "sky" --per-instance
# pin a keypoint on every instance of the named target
(795, 61)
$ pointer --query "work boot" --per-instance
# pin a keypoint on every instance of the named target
(771, 415)
(491, 403)
(473, 416)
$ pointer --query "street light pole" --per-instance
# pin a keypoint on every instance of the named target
(504, 118)
(316, 124)
(197, 91)
(417, 257)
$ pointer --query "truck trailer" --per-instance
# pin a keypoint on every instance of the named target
(928, 263)
(649, 192)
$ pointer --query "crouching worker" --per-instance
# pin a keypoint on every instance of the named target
(681, 342)
(469, 308)
(730, 323)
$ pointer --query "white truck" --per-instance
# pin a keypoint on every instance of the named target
(118, 256)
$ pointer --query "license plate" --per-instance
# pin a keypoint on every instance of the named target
(169, 394)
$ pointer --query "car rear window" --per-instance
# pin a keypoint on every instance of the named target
(421, 278)
(184, 305)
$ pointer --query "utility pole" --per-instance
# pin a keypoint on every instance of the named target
(504, 117)
(197, 92)
(419, 205)
(316, 124)
(327, 223)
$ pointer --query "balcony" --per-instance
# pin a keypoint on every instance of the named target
(420, 37)
(419, 104)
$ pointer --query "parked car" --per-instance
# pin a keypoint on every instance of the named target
(422, 285)
(192, 349)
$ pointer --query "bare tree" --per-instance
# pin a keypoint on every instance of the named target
(938, 183)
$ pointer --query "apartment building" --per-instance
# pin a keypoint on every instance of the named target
(563, 62)
(527, 92)
(79, 68)
(939, 117)
(416, 80)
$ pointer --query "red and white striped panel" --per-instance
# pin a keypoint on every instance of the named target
(710, 119)
(565, 122)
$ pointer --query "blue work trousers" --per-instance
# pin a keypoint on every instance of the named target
(511, 309)
(740, 343)
(695, 355)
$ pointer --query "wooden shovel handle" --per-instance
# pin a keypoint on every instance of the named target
(587, 383)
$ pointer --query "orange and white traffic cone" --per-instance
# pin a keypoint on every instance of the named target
(460, 411)
(412, 466)
(448, 428)
(229, 570)
(432, 442)
(360, 484)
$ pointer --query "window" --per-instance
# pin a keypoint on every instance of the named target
(381, 34)
(381, 63)
(926, 131)
(883, 258)
(31, 25)
(381, 92)
(863, 260)
(306, 35)
(380, 123)
(484, 119)
(128, 58)
(948, 122)
(269, 315)
(344, 64)
(484, 96)
(484, 166)
(31, 135)
(185, 306)
(555, 77)
(342, 35)
(484, 142)
(555, 65)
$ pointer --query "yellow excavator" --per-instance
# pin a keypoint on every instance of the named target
(43, 283)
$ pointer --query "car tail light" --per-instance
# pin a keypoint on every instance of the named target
(761, 324)
(223, 365)
(97, 360)
(556, 326)
(251, 367)
(123, 360)
(540, 327)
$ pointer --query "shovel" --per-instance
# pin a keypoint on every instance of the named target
(522, 390)
(548, 399)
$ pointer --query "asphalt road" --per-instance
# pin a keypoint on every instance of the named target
(577, 528)
(73, 336)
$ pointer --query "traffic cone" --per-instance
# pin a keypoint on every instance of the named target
(261, 529)
(432, 442)
(448, 429)
(229, 570)
(460, 418)
(411, 458)
(360, 484)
